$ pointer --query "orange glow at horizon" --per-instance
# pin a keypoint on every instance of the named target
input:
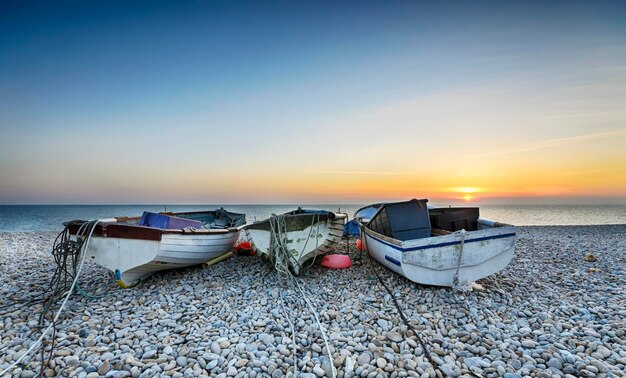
(466, 189)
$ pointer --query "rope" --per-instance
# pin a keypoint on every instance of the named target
(455, 279)
(403, 317)
(278, 251)
(317, 232)
(280, 255)
(421, 341)
(293, 336)
(319, 324)
(85, 294)
(74, 250)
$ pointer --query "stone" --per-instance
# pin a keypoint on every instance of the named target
(364, 359)
(72, 361)
(104, 368)
(555, 363)
(149, 354)
(394, 336)
(450, 370)
(318, 371)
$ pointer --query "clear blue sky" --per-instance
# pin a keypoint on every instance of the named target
(124, 102)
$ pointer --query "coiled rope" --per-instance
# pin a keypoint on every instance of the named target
(66, 253)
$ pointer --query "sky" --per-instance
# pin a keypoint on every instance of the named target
(109, 102)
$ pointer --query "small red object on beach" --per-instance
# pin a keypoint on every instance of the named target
(336, 261)
(359, 245)
(244, 249)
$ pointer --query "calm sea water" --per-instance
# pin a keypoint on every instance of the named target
(51, 217)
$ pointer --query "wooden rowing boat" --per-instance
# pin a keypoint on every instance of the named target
(301, 234)
(134, 248)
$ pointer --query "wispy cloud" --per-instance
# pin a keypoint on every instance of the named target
(591, 171)
(527, 147)
(360, 172)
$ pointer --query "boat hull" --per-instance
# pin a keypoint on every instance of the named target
(435, 260)
(305, 238)
(134, 259)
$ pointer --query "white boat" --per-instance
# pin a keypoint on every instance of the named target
(435, 246)
(134, 248)
(300, 234)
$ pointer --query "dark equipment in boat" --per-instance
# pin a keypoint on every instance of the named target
(402, 220)
(454, 218)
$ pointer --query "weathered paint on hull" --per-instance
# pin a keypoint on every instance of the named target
(314, 240)
(132, 259)
(434, 260)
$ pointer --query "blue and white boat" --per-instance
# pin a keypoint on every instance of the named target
(449, 246)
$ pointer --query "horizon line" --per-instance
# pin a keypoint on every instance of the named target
(457, 202)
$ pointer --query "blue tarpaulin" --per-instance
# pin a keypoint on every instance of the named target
(166, 222)
(351, 228)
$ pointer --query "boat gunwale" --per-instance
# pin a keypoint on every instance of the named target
(401, 245)
(132, 231)
(257, 223)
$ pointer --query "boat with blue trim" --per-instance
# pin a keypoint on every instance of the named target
(441, 246)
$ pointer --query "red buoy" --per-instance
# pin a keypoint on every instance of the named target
(359, 245)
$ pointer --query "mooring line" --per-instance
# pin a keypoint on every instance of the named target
(280, 256)
(421, 341)
(404, 319)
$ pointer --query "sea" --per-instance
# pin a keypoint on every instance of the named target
(31, 218)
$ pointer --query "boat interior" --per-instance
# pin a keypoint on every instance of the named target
(453, 219)
(296, 220)
(301, 211)
(414, 220)
(215, 219)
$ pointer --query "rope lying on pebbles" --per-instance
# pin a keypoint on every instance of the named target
(293, 335)
(427, 351)
(403, 317)
(319, 324)
(63, 251)
(280, 255)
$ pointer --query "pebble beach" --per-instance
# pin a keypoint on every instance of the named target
(558, 310)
